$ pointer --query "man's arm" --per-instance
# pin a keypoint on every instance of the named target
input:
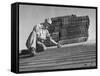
(52, 40)
(57, 44)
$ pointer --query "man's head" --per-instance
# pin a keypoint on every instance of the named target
(48, 20)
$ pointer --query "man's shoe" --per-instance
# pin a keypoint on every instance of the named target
(32, 54)
(33, 51)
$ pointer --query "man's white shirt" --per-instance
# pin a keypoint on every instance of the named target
(42, 33)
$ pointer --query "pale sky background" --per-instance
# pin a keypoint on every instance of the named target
(30, 15)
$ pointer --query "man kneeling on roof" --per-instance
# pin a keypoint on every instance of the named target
(38, 35)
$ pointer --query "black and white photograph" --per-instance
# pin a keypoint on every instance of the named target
(56, 37)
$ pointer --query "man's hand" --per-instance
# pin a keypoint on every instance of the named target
(58, 45)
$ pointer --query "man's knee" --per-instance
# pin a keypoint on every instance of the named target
(42, 44)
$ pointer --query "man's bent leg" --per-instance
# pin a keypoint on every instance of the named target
(33, 46)
(40, 43)
(34, 40)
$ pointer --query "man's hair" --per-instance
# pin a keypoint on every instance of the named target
(46, 20)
